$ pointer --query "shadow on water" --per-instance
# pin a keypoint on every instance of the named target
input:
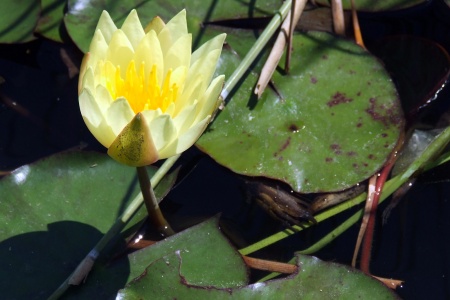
(33, 264)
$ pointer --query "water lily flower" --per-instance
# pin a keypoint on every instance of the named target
(142, 93)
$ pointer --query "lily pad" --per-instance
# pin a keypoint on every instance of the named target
(53, 212)
(376, 6)
(210, 260)
(165, 279)
(333, 123)
(51, 23)
(18, 20)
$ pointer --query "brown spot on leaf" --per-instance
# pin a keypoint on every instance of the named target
(351, 153)
(336, 149)
(328, 159)
(293, 128)
(282, 148)
(338, 98)
(324, 56)
(385, 115)
(313, 80)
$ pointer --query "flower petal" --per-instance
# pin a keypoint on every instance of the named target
(163, 130)
(157, 24)
(149, 51)
(204, 60)
(178, 77)
(191, 92)
(179, 54)
(106, 26)
(132, 28)
(185, 140)
(97, 48)
(185, 118)
(120, 51)
(94, 119)
(151, 114)
(103, 98)
(174, 29)
(87, 81)
(119, 114)
(210, 100)
(134, 145)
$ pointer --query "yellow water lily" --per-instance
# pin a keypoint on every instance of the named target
(142, 93)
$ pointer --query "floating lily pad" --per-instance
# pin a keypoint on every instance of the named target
(333, 123)
(376, 6)
(165, 279)
(51, 23)
(210, 260)
(19, 18)
(53, 212)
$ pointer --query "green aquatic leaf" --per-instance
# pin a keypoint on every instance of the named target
(210, 260)
(50, 24)
(18, 20)
(53, 212)
(165, 279)
(332, 122)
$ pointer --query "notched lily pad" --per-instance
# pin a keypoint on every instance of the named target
(209, 260)
(333, 123)
(316, 280)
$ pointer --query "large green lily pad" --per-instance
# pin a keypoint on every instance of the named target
(53, 212)
(51, 23)
(164, 279)
(210, 260)
(18, 20)
(333, 124)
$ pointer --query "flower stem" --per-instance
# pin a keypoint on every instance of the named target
(151, 203)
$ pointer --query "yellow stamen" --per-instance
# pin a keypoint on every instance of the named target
(140, 94)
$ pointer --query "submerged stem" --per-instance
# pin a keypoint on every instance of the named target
(151, 203)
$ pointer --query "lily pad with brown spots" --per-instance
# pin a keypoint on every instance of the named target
(332, 123)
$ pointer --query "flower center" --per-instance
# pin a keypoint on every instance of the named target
(143, 94)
